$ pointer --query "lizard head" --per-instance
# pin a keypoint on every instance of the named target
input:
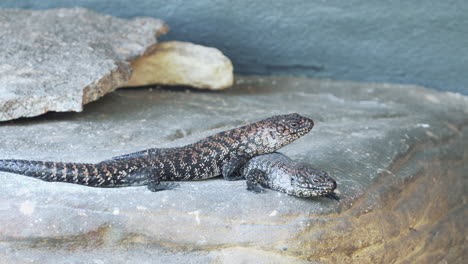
(284, 129)
(309, 182)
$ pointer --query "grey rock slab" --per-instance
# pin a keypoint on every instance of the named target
(61, 59)
(397, 153)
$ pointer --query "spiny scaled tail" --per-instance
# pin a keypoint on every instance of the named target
(104, 174)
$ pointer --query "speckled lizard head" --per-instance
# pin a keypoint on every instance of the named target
(278, 172)
(280, 130)
(309, 182)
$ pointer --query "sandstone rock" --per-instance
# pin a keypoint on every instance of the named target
(398, 154)
(61, 59)
(183, 63)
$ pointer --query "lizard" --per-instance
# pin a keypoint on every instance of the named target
(278, 172)
(224, 153)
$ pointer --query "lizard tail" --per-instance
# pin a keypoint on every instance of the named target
(104, 174)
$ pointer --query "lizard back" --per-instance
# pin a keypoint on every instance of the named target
(222, 153)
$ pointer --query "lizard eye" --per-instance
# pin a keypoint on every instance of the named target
(294, 125)
(315, 180)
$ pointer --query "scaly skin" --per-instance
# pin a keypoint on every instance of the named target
(223, 153)
(278, 172)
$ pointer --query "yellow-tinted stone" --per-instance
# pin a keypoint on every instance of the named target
(182, 63)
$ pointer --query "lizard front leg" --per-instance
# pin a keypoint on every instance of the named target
(154, 183)
(254, 178)
(232, 169)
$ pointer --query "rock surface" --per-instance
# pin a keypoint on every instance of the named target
(398, 154)
(183, 63)
(61, 59)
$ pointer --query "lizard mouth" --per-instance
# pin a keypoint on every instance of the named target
(309, 123)
(306, 126)
(305, 193)
(311, 189)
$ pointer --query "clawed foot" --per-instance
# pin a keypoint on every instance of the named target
(156, 187)
(332, 196)
(255, 188)
(234, 177)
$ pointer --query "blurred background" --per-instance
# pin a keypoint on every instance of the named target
(421, 42)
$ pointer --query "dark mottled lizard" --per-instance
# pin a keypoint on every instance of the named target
(278, 172)
(222, 153)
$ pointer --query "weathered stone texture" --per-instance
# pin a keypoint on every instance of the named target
(61, 59)
(398, 154)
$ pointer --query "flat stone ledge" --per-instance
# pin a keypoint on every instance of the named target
(398, 154)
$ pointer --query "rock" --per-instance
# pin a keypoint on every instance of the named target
(61, 59)
(398, 154)
(183, 63)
